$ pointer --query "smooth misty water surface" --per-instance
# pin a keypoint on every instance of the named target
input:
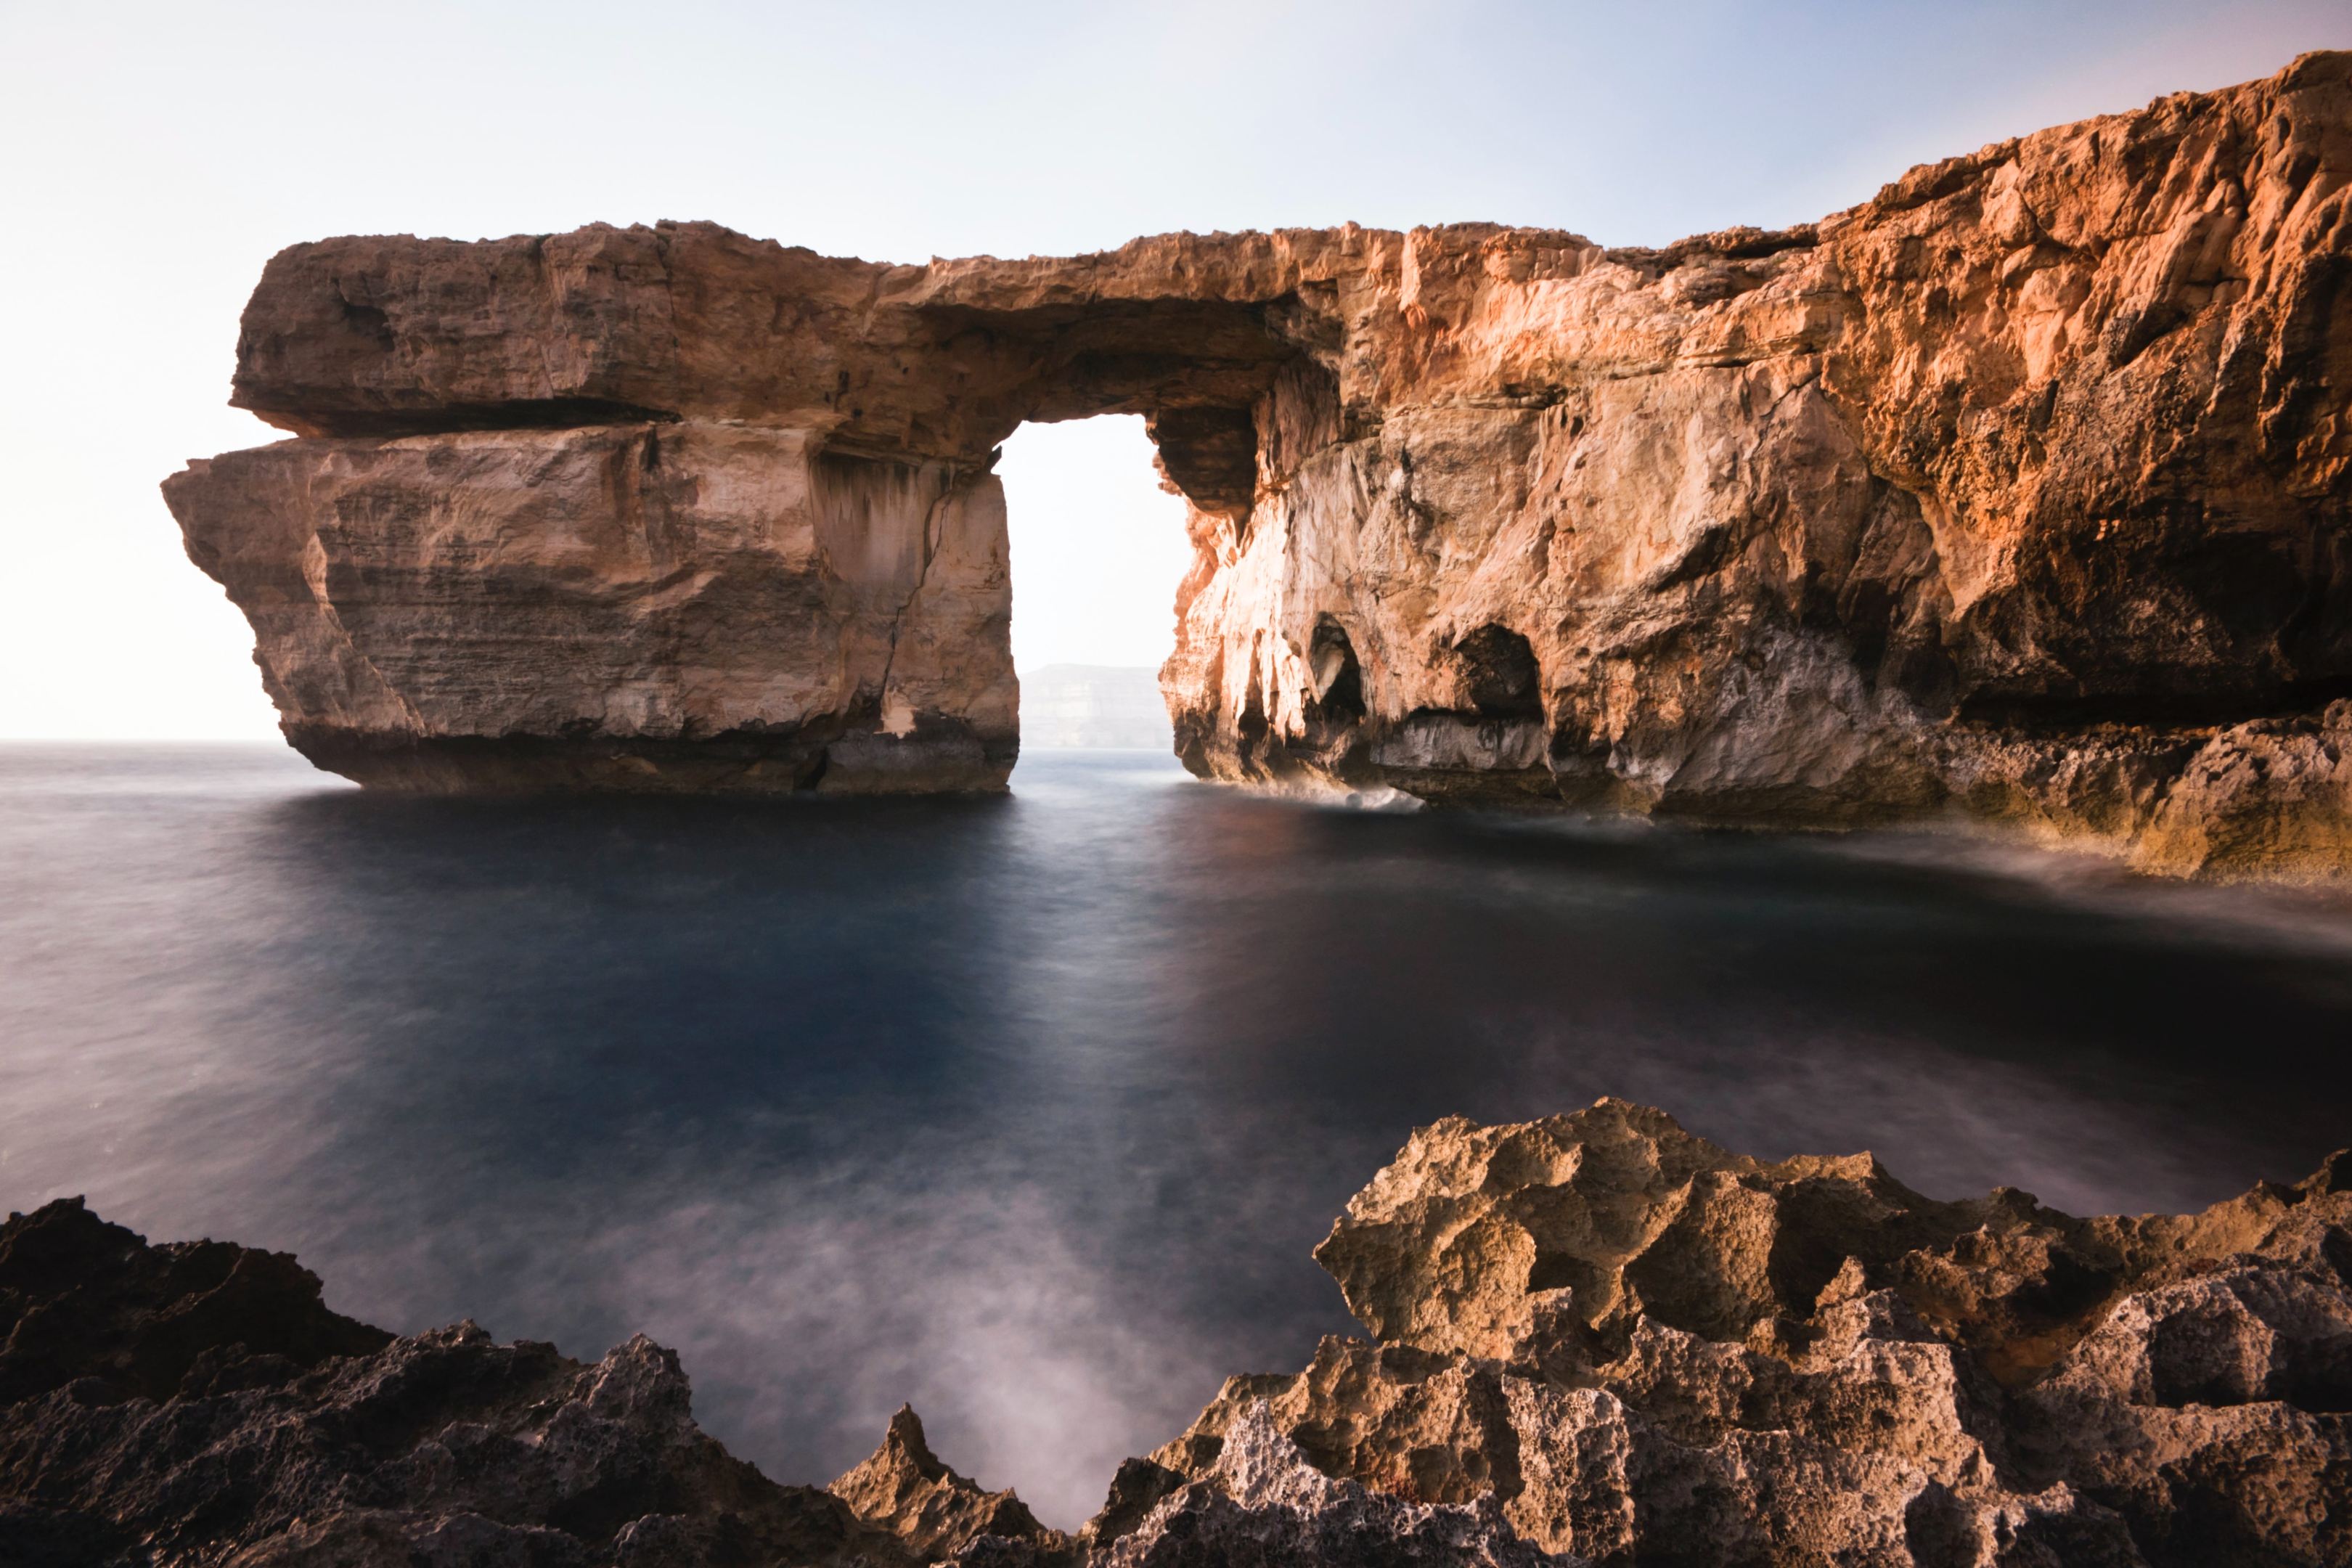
(1029, 1110)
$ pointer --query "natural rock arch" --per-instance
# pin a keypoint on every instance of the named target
(670, 508)
(2022, 486)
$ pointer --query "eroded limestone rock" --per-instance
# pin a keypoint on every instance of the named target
(1646, 1348)
(648, 606)
(1597, 1340)
(903, 1488)
(2020, 489)
(1262, 1503)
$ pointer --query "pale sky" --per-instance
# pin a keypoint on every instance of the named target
(153, 157)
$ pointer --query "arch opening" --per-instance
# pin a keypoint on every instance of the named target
(1098, 550)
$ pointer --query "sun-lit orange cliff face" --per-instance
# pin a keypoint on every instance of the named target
(2021, 487)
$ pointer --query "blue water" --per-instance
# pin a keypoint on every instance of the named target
(1030, 1109)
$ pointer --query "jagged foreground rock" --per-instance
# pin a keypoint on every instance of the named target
(196, 1404)
(1647, 1350)
(903, 1485)
(2021, 487)
(1595, 1338)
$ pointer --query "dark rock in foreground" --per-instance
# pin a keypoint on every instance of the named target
(196, 1403)
(1596, 1339)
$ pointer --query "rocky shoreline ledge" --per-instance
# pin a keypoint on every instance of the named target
(1593, 1339)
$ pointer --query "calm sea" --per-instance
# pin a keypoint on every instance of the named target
(1029, 1110)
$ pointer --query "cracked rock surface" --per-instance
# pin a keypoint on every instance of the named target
(2023, 489)
(1594, 1339)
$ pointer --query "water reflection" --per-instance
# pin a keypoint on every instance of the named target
(1030, 1109)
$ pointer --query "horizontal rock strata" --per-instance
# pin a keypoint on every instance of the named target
(677, 607)
(2020, 487)
(1594, 1340)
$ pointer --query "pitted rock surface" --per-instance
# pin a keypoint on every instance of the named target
(2021, 488)
(1596, 1339)
(1646, 1348)
(1262, 1505)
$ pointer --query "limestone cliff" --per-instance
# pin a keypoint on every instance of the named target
(2021, 487)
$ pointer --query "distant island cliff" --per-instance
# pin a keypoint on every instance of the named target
(1593, 1339)
(2019, 489)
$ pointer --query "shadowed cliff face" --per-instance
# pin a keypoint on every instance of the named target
(2021, 487)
